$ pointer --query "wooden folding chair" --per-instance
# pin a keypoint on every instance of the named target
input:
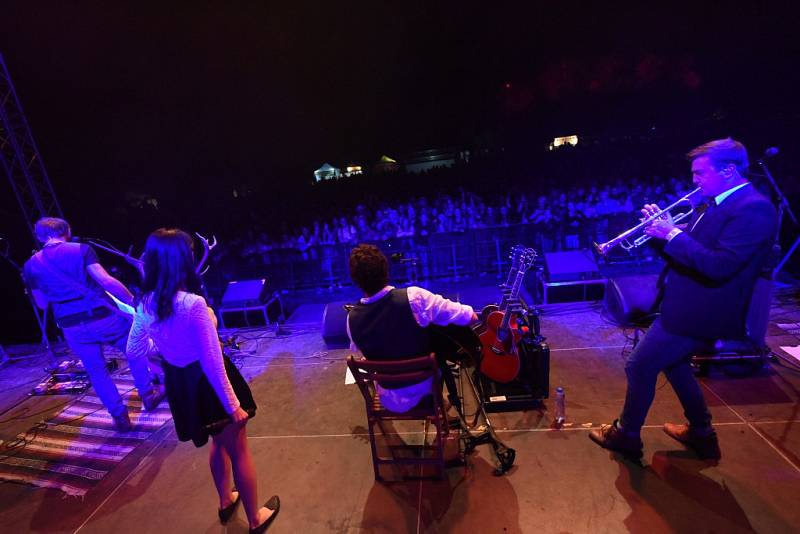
(430, 409)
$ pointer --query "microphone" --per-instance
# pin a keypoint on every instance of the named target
(768, 153)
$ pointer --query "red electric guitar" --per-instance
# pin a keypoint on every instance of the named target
(499, 357)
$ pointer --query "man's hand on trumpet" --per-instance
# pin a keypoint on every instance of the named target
(660, 227)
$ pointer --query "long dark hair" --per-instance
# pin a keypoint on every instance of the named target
(168, 268)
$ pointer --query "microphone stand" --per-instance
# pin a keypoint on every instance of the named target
(783, 207)
(135, 262)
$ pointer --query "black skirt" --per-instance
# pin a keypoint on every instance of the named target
(196, 408)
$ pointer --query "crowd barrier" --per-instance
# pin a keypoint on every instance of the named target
(441, 255)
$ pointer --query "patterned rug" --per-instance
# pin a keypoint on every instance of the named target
(77, 447)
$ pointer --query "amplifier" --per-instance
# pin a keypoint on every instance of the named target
(245, 293)
(528, 389)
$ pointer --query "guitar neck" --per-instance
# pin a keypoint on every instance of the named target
(513, 294)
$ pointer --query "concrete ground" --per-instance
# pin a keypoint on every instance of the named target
(311, 447)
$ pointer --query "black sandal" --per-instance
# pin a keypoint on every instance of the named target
(274, 504)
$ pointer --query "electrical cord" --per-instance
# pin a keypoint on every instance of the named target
(19, 443)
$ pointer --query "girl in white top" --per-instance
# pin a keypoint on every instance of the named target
(173, 319)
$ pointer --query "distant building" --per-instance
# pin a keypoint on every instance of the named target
(425, 160)
(353, 169)
(327, 172)
(571, 140)
(386, 164)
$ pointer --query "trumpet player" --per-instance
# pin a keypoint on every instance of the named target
(712, 265)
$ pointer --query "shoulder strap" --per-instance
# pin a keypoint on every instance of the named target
(61, 276)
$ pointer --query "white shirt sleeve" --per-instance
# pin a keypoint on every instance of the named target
(430, 308)
(353, 347)
(201, 327)
(140, 344)
(673, 234)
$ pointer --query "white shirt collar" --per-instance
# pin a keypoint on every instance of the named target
(377, 296)
(722, 196)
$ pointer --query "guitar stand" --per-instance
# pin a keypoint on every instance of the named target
(483, 434)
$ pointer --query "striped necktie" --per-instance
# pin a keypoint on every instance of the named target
(709, 204)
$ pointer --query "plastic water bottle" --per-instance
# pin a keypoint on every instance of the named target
(561, 414)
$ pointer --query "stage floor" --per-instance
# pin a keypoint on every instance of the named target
(311, 447)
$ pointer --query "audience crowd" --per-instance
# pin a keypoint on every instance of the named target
(561, 219)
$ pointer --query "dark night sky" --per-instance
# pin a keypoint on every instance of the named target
(139, 93)
(151, 95)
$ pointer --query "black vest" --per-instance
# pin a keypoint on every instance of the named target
(386, 329)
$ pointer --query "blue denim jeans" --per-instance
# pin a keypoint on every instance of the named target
(86, 341)
(661, 351)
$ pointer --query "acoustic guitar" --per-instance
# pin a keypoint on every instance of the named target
(499, 357)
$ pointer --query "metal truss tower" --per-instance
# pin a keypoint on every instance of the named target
(20, 158)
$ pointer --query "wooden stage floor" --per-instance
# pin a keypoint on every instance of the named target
(310, 446)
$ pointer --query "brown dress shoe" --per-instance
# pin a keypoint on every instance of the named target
(706, 447)
(610, 437)
(153, 397)
(122, 422)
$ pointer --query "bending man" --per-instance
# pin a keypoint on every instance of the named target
(70, 278)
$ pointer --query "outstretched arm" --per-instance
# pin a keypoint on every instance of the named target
(430, 308)
(109, 283)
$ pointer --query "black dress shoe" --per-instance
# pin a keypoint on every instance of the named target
(706, 447)
(226, 513)
(610, 437)
(274, 504)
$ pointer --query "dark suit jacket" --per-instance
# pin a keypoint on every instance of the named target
(713, 267)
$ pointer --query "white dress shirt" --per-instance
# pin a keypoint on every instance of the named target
(427, 308)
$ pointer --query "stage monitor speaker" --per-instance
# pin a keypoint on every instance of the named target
(570, 266)
(334, 325)
(631, 300)
(245, 294)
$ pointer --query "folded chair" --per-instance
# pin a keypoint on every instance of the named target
(430, 410)
(742, 357)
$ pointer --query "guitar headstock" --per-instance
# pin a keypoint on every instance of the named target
(527, 259)
(515, 254)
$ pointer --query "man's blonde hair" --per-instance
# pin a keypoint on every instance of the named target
(48, 227)
(723, 152)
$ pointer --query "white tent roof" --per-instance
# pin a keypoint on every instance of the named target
(326, 167)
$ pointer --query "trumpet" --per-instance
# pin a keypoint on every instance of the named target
(623, 239)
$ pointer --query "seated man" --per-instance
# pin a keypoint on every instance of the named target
(390, 324)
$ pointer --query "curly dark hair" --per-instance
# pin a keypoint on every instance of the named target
(369, 268)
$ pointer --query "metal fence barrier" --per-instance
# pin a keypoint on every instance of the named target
(444, 255)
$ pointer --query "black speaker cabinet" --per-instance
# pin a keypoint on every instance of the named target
(528, 389)
(245, 293)
(249, 303)
(631, 300)
(334, 325)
